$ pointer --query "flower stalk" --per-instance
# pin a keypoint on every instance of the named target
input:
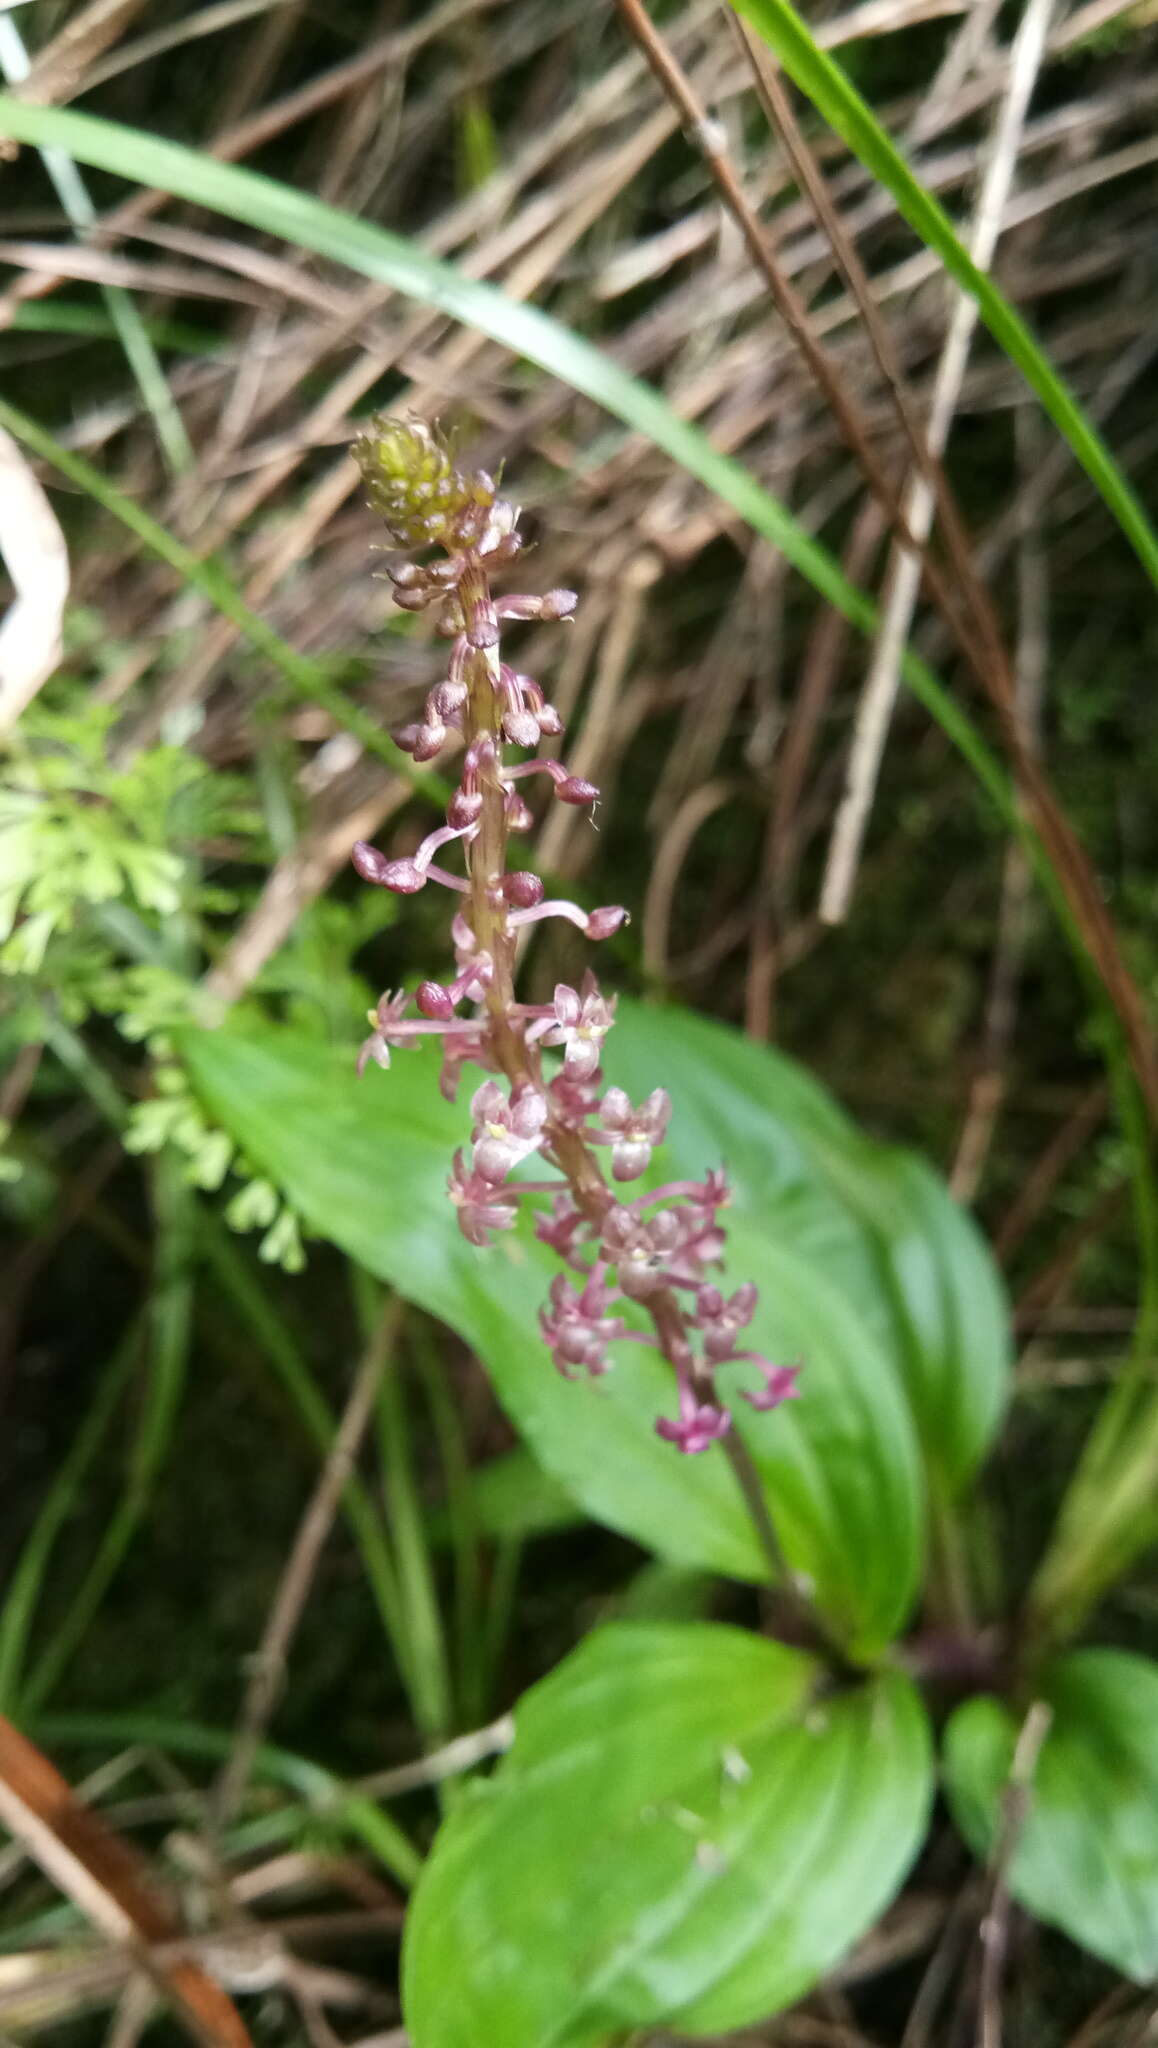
(653, 1252)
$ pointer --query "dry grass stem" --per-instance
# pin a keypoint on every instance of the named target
(269, 1662)
(903, 575)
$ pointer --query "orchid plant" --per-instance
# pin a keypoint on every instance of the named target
(656, 1249)
(696, 1820)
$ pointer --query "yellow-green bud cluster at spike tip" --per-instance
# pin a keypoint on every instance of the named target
(415, 487)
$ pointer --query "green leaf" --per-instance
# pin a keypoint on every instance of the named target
(686, 1833)
(365, 1163)
(1087, 1855)
(843, 108)
(840, 1465)
(950, 1317)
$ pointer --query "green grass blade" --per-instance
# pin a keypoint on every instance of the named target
(321, 1791)
(168, 1326)
(460, 1517)
(279, 1349)
(843, 108)
(421, 1644)
(151, 381)
(19, 1609)
(78, 317)
(124, 314)
(429, 1673)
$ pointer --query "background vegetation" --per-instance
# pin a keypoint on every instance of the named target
(185, 361)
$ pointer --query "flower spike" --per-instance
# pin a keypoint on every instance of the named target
(629, 1260)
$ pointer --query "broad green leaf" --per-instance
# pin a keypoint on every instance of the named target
(773, 1127)
(949, 1315)
(365, 1164)
(878, 1221)
(1087, 1854)
(687, 1832)
(842, 107)
(840, 1465)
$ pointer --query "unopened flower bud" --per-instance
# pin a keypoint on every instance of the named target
(464, 807)
(446, 699)
(522, 890)
(407, 576)
(575, 791)
(435, 1001)
(602, 924)
(521, 728)
(549, 721)
(415, 600)
(430, 741)
(403, 876)
(559, 604)
(371, 865)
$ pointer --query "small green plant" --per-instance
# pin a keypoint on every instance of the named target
(105, 911)
(77, 834)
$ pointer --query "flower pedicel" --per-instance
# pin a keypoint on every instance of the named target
(545, 1097)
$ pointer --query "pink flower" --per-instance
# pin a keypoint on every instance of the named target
(459, 1047)
(779, 1382)
(561, 1228)
(505, 1131)
(482, 1208)
(633, 1132)
(575, 1328)
(700, 1423)
(721, 1321)
(474, 969)
(385, 1018)
(572, 1102)
(581, 1023)
(639, 1251)
(372, 1048)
